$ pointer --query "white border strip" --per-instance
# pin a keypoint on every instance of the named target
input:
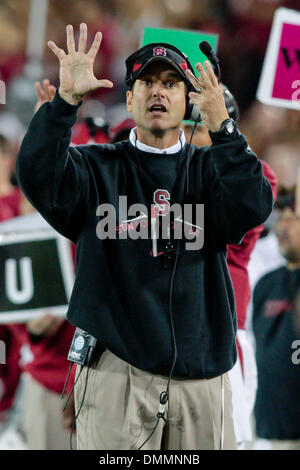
(22, 316)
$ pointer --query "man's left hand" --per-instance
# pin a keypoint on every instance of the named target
(210, 99)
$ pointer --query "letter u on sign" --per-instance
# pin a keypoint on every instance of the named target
(25, 293)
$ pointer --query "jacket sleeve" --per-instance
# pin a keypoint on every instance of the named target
(240, 197)
(53, 176)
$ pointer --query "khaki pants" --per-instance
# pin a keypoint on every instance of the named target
(121, 402)
(42, 418)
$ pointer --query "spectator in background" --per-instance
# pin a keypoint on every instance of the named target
(43, 343)
(122, 130)
(90, 131)
(263, 125)
(277, 407)
(10, 372)
(284, 160)
(266, 255)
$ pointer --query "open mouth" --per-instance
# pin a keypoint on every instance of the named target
(157, 108)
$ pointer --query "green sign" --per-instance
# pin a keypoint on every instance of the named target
(185, 40)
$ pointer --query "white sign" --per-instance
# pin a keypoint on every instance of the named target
(279, 83)
(36, 272)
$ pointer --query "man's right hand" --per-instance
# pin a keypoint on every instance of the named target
(44, 94)
(76, 74)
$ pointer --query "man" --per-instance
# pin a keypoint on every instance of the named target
(277, 410)
(151, 324)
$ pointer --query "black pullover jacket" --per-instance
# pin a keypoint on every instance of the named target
(277, 406)
(121, 292)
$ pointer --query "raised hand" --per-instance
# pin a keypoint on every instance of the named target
(45, 93)
(76, 74)
(209, 98)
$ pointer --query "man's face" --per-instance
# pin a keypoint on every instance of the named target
(158, 98)
(288, 234)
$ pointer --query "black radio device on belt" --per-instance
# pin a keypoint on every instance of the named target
(82, 348)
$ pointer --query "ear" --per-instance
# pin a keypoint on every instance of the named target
(129, 100)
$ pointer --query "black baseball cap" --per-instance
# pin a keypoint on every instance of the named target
(157, 51)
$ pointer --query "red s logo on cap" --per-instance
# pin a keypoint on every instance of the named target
(159, 51)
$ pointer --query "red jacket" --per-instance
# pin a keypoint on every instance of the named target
(46, 360)
(11, 371)
(238, 257)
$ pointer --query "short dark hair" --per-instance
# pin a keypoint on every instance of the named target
(157, 52)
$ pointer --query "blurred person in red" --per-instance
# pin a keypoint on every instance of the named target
(10, 373)
(243, 374)
(10, 201)
(44, 343)
(122, 130)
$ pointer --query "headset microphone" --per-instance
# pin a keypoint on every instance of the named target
(208, 51)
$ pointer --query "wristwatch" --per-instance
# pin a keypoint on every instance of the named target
(228, 127)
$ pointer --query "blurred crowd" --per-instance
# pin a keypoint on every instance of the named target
(243, 28)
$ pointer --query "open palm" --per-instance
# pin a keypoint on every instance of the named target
(76, 73)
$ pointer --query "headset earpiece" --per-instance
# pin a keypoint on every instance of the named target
(191, 112)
